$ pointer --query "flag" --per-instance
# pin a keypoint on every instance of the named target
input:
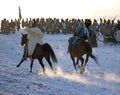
(20, 16)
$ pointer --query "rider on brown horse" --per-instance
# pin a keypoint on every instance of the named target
(78, 46)
(83, 33)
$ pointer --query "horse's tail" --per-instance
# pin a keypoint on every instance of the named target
(51, 52)
(93, 57)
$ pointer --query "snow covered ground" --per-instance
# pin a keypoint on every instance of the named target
(96, 80)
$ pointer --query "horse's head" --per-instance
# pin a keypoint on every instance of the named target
(23, 39)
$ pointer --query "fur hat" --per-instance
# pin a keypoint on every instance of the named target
(88, 22)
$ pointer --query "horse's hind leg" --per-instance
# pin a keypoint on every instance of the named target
(41, 63)
(50, 63)
(74, 64)
(87, 57)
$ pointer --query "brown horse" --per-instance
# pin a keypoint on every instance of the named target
(78, 50)
(40, 52)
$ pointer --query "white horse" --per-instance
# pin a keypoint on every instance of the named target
(117, 35)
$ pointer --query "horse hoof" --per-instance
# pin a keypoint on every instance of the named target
(82, 69)
(81, 72)
(17, 66)
(79, 66)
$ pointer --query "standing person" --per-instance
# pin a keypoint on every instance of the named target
(34, 36)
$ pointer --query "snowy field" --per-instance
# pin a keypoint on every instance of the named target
(96, 80)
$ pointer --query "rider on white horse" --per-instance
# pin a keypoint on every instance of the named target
(34, 36)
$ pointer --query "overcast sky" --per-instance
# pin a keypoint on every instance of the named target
(60, 8)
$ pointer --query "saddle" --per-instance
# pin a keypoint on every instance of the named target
(73, 41)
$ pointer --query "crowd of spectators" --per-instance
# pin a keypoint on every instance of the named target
(52, 25)
(9, 26)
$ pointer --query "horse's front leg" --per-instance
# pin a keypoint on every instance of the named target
(50, 64)
(23, 58)
(31, 65)
(82, 61)
(82, 69)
